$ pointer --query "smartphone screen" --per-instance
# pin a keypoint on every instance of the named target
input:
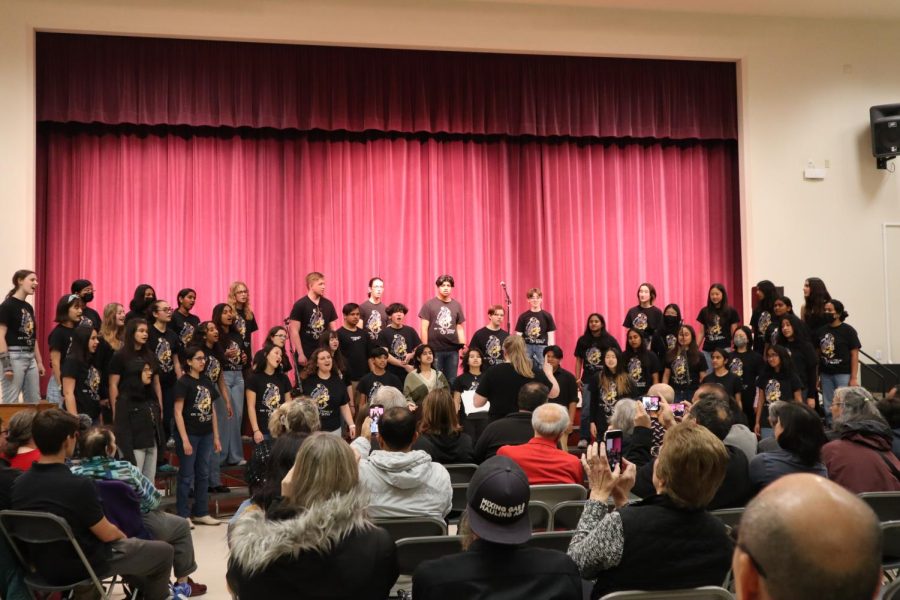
(613, 447)
(375, 414)
(650, 402)
(678, 409)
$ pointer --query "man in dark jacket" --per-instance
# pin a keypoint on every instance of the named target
(496, 562)
(514, 428)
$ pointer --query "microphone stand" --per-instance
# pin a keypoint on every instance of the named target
(508, 313)
(292, 352)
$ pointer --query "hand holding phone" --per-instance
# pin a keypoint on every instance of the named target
(678, 409)
(613, 440)
(375, 414)
(651, 403)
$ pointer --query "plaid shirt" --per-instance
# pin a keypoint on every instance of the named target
(100, 467)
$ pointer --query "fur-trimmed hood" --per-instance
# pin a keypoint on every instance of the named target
(258, 541)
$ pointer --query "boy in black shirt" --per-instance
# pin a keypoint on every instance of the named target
(442, 328)
(489, 339)
(399, 340)
(537, 326)
(377, 378)
(310, 316)
(354, 345)
(374, 315)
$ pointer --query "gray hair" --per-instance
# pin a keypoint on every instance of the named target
(389, 397)
(300, 415)
(858, 404)
(774, 409)
(550, 420)
(623, 415)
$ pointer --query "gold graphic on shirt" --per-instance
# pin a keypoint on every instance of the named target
(398, 346)
(640, 321)
(593, 357)
(494, 349)
(773, 390)
(271, 397)
(444, 321)
(373, 324)
(636, 369)
(737, 367)
(316, 324)
(533, 330)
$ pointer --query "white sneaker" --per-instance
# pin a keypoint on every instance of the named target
(205, 520)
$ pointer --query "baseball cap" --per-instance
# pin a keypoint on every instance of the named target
(497, 500)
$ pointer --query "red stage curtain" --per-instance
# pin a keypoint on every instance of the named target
(145, 81)
(586, 222)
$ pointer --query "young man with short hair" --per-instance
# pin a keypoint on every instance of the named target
(373, 312)
(399, 340)
(442, 327)
(376, 378)
(310, 316)
(537, 326)
(489, 339)
(354, 345)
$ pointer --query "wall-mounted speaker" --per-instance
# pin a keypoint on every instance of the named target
(885, 123)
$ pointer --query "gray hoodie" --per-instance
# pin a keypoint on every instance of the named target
(403, 484)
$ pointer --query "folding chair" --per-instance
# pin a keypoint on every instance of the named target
(885, 504)
(551, 540)
(540, 516)
(411, 552)
(461, 473)
(567, 514)
(556, 493)
(37, 528)
(731, 517)
(891, 591)
(412, 527)
(710, 592)
(890, 550)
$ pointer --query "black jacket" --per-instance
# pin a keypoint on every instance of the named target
(446, 449)
(498, 572)
(512, 430)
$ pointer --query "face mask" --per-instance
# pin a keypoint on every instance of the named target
(830, 317)
(671, 321)
(740, 343)
(87, 297)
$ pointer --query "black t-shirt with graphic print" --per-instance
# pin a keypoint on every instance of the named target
(60, 339)
(21, 328)
(355, 349)
(233, 341)
(87, 386)
(535, 326)
(776, 386)
(314, 319)
(374, 318)
(683, 375)
(214, 361)
(490, 343)
(245, 327)
(90, 318)
(646, 320)
(835, 344)
(747, 366)
(590, 349)
(184, 327)
(198, 395)
(399, 343)
(640, 368)
(271, 392)
(329, 395)
(442, 317)
(717, 328)
(370, 383)
(762, 322)
(166, 347)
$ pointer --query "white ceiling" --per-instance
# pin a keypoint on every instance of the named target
(815, 9)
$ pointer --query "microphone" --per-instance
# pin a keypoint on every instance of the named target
(505, 291)
(503, 284)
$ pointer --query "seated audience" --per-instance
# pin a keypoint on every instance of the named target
(739, 435)
(713, 411)
(800, 436)
(495, 562)
(300, 416)
(667, 541)
(317, 542)
(51, 487)
(860, 459)
(401, 482)
(540, 458)
(21, 451)
(385, 397)
(630, 417)
(889, 408)
(279, 462)
(440, 434)
(12, 580)
(666, 393)
(99, 463)
(785, 551)
(514, 428)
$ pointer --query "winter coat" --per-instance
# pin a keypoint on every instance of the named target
(861, 459)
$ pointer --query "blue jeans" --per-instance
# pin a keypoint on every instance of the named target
(447, 362)
(536, 353)
(25, 378)
(831, 382)
(230, 435)
(193, 473)
(54, 392)
(585, 432)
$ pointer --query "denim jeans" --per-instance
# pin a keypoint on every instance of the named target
(831, 382)
(54, 392)
(447, 362)
(230, 429)
(536, 353)
(193, 473)
(25, 378)
(585, 431)
(146, 461)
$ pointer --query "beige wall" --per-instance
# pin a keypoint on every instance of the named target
(805, 89)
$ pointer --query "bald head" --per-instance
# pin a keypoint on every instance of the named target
(550, 420)
(811, 540)
(663, 390)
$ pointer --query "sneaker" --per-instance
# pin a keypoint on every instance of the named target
(180, 591)
(205, 520)
(197, 589)
(167, 468)
(242, 463)
(582, 444)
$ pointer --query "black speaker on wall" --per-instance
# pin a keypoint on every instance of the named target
(885, 122)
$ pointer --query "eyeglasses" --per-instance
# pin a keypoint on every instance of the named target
(200, 358)
(756, 564)
(280, 335)
(167, 309)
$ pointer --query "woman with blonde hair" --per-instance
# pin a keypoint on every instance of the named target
(500, 385)
(440, 434)
(112, 337)
(317, 542)
(244, 320)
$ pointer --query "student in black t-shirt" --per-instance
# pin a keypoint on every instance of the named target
(198, 437)
(354, 344)
(589, 350)
(267, 389)
(68, 316)
(717, 320)
(310, 317)
(815, 295)
(489, 339)
(144, 296)
(442, 327)
(613, 384)
(568, 387)
(80, 378)
(719, 373)
(165, 344)
(400, 340)
(207, 337)
(763, 318)
(376, 378)
(666, 337)
(644, 317)
(838, 352)
(537, 326)
(473, 368)
(685, 365)
(641, 365)
(777, 382)
(328, 391)
(236, 359)
(746, 365)
(792, 335)
(278, 336)
(373, 312)
(20, 357)
(331, 342)
(501, 384)
(183, 321)
(244, 319)
(85, 290)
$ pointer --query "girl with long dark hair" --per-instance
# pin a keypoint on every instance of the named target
(838, 352)
(612, 384)
(686, 366)
(644, 317)
(68, 316)
(144, 297)
(815, 296)
(746, 365)
(80, 378)
(267, 389)
(20, 357)
(717, 319)
(667, 337)
(777, 382)
(589, 351)
(640, 364)
(184, 322)
(792, 335)
(236, 359)
(763, 315)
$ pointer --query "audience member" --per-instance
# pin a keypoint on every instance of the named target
(540, 458)
(318, 542)
(785, 553)
(666, 393)
(713, 411)
(568, 384)
(401, 482)
(515, 428)
(630, 417)
(667, 541)
(496, 563)
(51, 487)
(501, 384)
(440, 434)
(800, 436)
(860, 459)
(12, 580)
(99, 463)
(21, 451)
(889, 408)
(300, 416)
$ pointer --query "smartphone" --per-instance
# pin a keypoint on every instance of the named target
(678, 409)
(613, 439)
(650, 402)
(375, 414)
